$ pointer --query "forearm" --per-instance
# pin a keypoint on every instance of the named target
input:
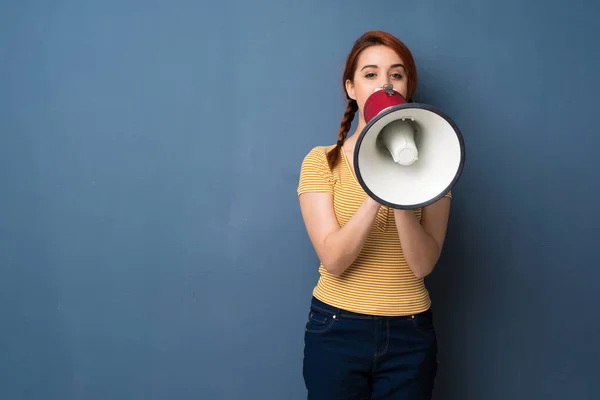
(420, 250)
(343, 246)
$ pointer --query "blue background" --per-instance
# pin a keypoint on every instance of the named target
(151, 244)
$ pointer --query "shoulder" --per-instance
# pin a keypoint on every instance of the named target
(315, 174)
(319, 152)
(316, 158)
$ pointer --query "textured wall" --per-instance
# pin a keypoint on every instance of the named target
(151, 244)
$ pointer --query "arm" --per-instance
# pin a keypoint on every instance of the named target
(422, 242)
(336, 247)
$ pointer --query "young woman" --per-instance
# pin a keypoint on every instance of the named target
(370, 332)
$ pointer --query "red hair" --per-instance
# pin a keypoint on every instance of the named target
(371, 38)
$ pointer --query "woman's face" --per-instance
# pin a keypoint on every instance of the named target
(377, 66)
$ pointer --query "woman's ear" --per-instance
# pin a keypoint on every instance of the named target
(350, 89)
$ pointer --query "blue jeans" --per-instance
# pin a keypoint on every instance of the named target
(357, 356)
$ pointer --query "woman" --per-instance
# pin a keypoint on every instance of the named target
(370, 332)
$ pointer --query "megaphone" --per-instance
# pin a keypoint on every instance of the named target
(409, 155)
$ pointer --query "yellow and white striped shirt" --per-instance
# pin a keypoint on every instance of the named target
(379, 282)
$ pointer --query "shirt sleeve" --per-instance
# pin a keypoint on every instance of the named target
(315, 175)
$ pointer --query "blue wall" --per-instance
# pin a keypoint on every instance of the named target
(151, 245)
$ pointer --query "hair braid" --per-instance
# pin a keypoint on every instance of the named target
(351, 108)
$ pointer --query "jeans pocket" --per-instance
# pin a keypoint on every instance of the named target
(319, 321)
(423, 323)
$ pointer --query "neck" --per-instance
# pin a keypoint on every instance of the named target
(350, 142)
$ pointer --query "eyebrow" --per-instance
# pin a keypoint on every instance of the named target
(375, 66)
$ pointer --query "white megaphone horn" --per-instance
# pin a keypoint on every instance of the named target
(409, 155)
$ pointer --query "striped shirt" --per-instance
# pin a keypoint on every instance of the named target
(379, 281)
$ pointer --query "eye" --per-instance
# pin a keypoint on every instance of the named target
(397, 76)
(370, 75)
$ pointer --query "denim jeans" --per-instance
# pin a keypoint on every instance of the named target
(357, 356)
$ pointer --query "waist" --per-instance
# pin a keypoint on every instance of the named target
(381, 295)
(340, 312)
